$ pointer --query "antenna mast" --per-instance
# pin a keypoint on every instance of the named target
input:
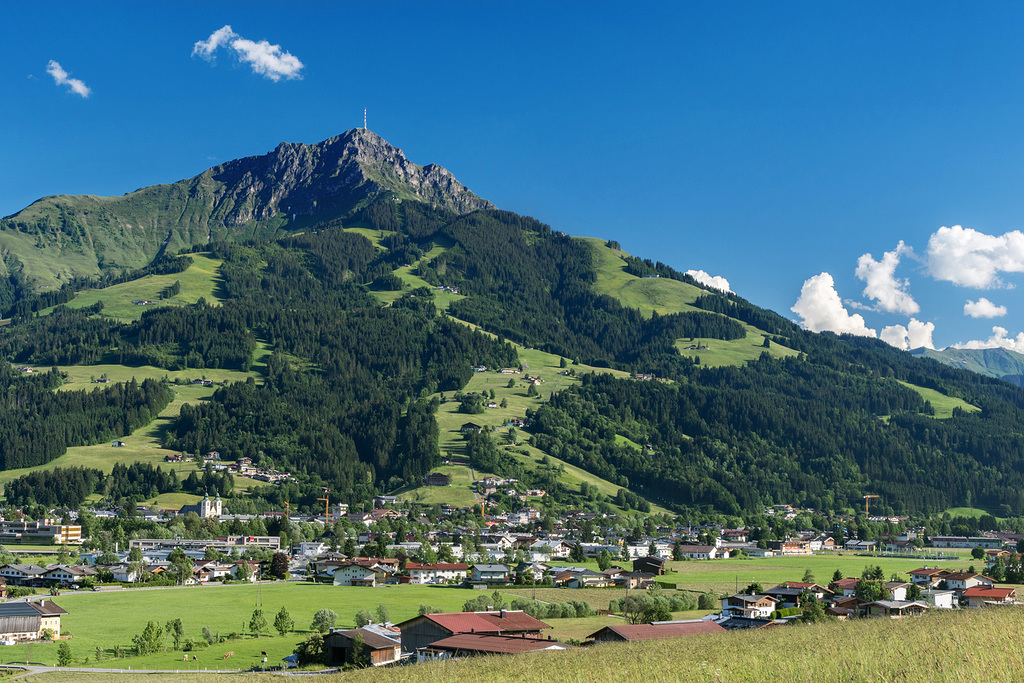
(364, 118)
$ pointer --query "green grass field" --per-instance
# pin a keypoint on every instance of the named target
(942, 404)
(720, 352)
(145, 443)
(200, 280)
(225, 610)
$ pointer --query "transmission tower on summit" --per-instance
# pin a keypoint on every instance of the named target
(364, 118)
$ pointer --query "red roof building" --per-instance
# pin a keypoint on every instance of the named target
(634, 632)
(423, 631)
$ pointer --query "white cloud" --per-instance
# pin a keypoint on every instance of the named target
(983, 308)
(60, 77)
(881, 283)
(716, 281)
(970, 258)
(998, 340)
(821, 309)
(206, 48)
(914, 336)
(265, 59)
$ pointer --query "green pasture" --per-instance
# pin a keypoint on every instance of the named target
(723, 576)
(942, 404)
(225, 610)
(722, 352)
(647, 295)
(200, 280)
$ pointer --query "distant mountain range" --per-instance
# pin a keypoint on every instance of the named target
(1002, 363)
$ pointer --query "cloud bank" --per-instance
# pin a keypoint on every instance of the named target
(267, 60)
(715, 281)
(970, 258)
(821, 309)
(983, 308)
(881, 283)
(61, 77)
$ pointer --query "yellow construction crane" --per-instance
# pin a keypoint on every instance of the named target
(867, 499)
(327, 506)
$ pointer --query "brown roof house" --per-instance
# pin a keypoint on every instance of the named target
(381, 645)
(423, 631)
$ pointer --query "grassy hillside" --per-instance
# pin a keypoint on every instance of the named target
(143, 445)
(198, 281)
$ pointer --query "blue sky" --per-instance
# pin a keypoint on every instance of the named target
(787, 147)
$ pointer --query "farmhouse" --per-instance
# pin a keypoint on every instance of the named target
(425, 630)
(381, 645)
(29, 620)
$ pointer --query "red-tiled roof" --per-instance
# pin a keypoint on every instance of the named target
(487, 622)
(989, 593)
(476, 642)
(633, 632)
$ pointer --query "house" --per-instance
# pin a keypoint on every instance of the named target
(29, 620)
(438, 572)
(364, 571)
(961, 581)
(669, 629)
(22, 574)
(939, 599)
(928, 577)
(67, 575)
(893, 608)
(897, 590)
(981, 596)
(438, 479)
(754, 606)
(489, 573)
(819, 591)
(845, 587)
(650, 565)
(471, 644)
(470, 428)
(422, 631)
(381, 646)
(786, 597)
(703, 552)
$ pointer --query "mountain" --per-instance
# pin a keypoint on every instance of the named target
(365, 327)
(260, 197)
(1002, 363)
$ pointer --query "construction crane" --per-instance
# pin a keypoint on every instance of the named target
(327, 506)
(867, 499)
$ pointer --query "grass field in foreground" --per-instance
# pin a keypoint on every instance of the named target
(970, 645)
(107, 619)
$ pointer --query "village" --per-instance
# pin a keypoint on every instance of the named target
(392, 546)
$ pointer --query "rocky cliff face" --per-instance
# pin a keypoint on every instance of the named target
(294, 186)
(331, 177)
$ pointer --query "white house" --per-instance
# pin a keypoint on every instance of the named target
(438, 572)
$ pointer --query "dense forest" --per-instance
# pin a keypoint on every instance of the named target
(38, 424)
(349, 393)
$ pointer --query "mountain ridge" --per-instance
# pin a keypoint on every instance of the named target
(292, 187)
